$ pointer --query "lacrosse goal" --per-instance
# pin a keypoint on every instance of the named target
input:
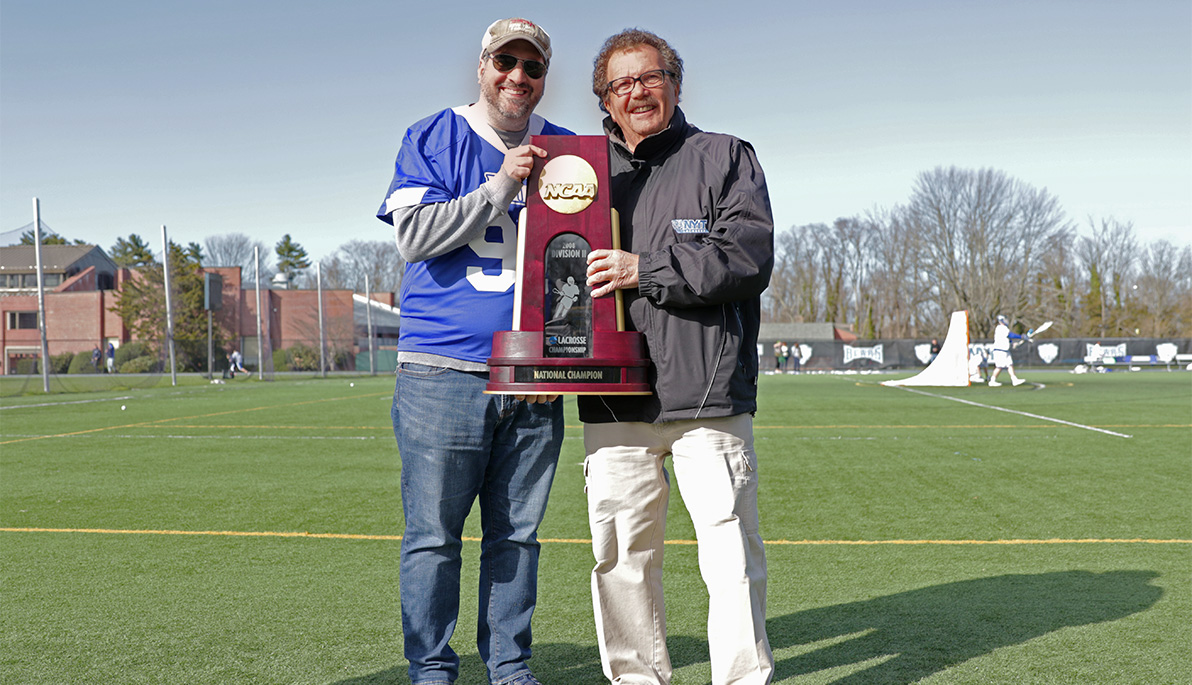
(951, 366)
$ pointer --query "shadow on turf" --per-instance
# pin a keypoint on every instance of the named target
(931, 629)
(554, 663)
(919, 632)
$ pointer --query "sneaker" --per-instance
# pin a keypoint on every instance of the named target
(994, 384)
(1018, 381)
(526, 678)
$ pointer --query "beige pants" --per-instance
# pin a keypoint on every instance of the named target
(628, 488)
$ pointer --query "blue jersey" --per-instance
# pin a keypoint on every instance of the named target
(452, 304)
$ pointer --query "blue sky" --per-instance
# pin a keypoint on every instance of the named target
(266, 117)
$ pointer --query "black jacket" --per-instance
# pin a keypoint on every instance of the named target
(694, 207)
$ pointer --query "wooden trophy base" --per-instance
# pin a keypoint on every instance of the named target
(617, 367)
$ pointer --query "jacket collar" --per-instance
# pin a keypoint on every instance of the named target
(651, 146)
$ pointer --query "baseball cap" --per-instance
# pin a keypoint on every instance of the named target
(508, 30)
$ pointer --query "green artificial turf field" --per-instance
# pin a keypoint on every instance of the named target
(249, 532)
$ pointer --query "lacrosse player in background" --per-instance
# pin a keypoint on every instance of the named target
(1001, 351)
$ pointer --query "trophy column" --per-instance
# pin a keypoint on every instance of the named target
(564, 341)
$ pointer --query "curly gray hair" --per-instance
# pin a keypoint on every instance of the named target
(628, 40)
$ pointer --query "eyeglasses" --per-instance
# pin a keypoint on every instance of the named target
(507, 63)
(650, 79)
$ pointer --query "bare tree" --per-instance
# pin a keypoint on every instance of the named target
(833, 271)
(898, 288)
(1183, 323)
(1158, 292)
(236, 249)
(987, 243)
(791, 296)
(982, 233)
(1057, 285)
(352, 261)
(853, 238)
(1108, 256)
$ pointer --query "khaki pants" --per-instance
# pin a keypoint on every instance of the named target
(628, 488)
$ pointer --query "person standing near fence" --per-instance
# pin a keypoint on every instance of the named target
(456, 192)
(236, 362)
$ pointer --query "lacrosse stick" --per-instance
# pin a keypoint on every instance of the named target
(1030, 335)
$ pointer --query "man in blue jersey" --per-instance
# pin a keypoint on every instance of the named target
(453, 202)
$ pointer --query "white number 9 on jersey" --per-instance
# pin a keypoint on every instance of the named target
(504, 249)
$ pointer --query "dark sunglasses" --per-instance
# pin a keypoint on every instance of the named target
(507, 63)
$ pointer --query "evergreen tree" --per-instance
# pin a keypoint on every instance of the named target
(133, 253)
(48, 238)
(141, 304)
(291, 257)
(194, 252)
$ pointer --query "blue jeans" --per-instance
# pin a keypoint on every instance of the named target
(457, 444)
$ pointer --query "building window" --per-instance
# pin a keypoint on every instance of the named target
(22, 320)
(29, 281)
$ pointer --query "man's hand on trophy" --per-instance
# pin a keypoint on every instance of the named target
(616, 269)
(536, 399)
(519, 161)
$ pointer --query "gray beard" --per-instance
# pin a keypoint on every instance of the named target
(512, 116)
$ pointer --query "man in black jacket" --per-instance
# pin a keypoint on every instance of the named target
(695, 215)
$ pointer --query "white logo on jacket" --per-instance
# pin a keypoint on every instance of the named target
(689, 225)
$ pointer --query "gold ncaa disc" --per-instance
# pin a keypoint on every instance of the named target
(567, 184)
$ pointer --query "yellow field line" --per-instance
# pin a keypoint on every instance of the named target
(580, 541)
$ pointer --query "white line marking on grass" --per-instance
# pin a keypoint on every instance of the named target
(159, 422)
(1018, 541)
(807, 438)
(578, 541)
(1015, 411)
(59, 404)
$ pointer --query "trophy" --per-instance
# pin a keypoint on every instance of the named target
(563, 341)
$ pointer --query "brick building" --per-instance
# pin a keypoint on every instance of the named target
(82, 283)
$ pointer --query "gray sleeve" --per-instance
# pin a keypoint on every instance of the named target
(430, 230)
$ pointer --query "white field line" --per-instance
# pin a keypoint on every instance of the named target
(59, 404)
(1015, 411)
(584, 541)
